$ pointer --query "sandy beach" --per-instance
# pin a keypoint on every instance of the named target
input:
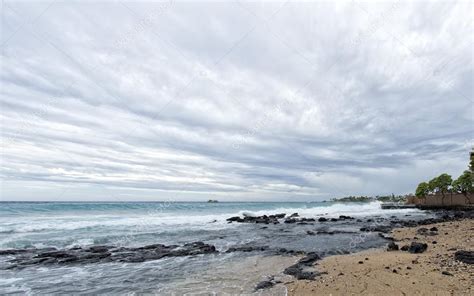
(376, 272)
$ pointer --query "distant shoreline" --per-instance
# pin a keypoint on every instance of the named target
(167, 201)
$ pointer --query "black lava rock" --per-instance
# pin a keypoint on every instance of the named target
(236, 219)
(392, 247)
(342, 217)
(246, 249)
(426, 231)
(464, 256)
(102, 254)
(264, 285)
(416, 248)
(264, 219)
(298, 270)
(306, 275)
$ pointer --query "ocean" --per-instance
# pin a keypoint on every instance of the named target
(65, 225)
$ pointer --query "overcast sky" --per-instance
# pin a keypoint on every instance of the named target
(233, 101)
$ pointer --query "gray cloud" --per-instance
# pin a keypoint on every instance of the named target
(238, 101)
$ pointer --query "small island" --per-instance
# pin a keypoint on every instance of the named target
(213, 201)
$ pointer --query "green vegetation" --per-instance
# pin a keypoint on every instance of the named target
(423, 189)
(444, 183)
(353, 199)
(391, 198)
(384, 198)
(471, 162)
(464, 184)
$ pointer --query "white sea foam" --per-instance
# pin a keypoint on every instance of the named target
(71, 230)
(191, 221)
(334, 210)
(75, 223)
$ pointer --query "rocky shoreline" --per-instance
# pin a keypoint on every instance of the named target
(302, 270)
(436, 259)
(101, 254)
(280, 218)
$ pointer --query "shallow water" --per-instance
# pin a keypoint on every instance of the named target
(64, 225)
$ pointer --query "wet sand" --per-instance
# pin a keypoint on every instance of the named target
(236, 278)
(382, 272)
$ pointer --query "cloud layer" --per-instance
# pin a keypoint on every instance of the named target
(234, 101)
